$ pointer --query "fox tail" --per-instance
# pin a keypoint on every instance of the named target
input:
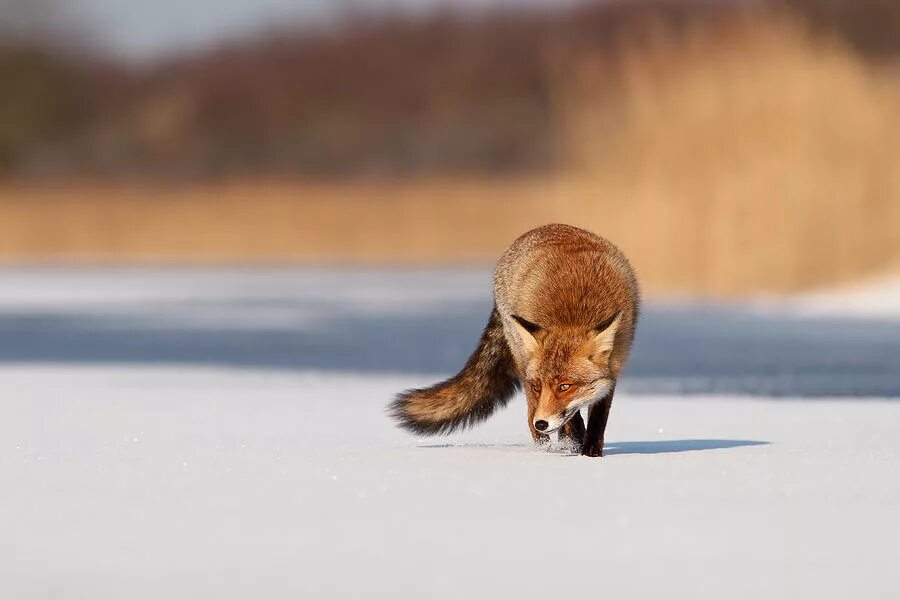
(487, 381)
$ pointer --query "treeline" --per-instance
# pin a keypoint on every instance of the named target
(375, 97)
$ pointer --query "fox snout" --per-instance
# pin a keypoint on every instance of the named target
(550, 426)
(550, 423)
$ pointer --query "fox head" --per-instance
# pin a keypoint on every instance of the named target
(565, 369)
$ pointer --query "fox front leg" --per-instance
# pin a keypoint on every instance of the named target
(596, 426)
(573, 431)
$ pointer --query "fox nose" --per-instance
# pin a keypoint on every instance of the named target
(540, 425)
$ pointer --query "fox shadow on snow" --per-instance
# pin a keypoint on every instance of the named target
(639, 447)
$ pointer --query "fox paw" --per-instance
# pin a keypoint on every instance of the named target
(593, 450)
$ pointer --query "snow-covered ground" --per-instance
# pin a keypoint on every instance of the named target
(200, 434)
(874, 299)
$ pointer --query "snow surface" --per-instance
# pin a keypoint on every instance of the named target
(876, 299)
(188, 483)
(221, 434)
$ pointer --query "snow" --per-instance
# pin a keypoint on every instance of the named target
(878, 298)
(169, 482)
(193, 434)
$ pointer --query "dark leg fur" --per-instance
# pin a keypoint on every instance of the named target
(596, 426)
(573, 431)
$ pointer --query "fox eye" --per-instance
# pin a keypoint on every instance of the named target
(536, 386)
(564, 386)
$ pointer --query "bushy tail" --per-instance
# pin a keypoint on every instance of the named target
(487, 381)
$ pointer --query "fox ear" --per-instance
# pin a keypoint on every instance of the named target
(604, 334)
(527, 330)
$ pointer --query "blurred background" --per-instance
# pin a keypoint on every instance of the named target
(232, 230)
(326, 185)
(729, 147)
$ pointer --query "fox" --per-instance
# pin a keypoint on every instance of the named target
(566, 305)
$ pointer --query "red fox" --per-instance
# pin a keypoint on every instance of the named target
(565, 309)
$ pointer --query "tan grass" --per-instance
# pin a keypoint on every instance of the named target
(749, 157)
(409, 222)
